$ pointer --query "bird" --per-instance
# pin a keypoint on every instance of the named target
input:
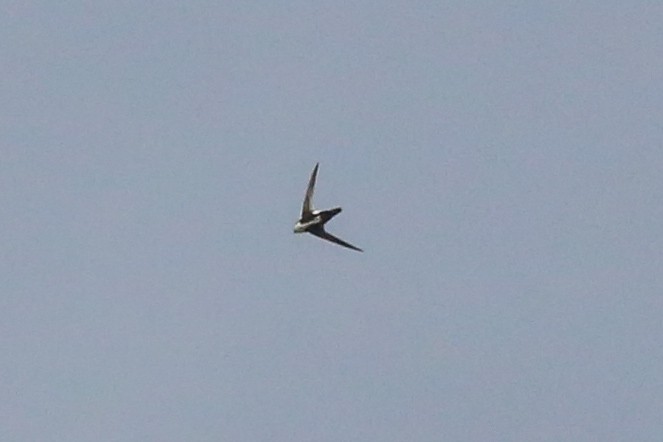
(313, 221)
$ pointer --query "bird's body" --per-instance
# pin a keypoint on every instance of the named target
(313, 221)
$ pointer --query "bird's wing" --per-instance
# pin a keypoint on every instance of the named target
(322, 233)
(307, 207)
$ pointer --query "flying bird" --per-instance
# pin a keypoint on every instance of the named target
(313, 221)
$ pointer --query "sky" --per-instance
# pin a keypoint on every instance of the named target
(499, 162)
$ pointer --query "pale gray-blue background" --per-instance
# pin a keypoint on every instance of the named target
(500, 163)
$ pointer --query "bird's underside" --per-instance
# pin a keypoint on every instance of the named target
(313, 221)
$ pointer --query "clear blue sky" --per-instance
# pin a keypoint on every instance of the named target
(500, 163)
